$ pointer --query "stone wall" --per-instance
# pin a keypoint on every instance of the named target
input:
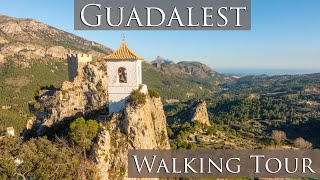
(76, 62)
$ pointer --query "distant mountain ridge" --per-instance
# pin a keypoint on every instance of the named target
(183, 80)
(185, 68)
(159, 61)
(27, 39)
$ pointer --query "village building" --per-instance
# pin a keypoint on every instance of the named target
(10, 131)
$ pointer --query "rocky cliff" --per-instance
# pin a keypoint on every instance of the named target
(136, 127)
(86, 94)
(200, 113)
(142, 127)
(189, 111)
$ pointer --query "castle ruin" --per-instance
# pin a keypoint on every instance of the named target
(76, 62)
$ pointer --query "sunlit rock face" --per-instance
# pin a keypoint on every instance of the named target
(141, 127)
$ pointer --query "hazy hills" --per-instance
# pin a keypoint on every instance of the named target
(183, 80)
(263, 84)
(184, 68)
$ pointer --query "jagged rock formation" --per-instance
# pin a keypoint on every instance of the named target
(142, 127)
(87, 93)
(200, 113)
(159, 61)
(192, 111)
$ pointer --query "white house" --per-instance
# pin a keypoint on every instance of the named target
(124, 76)
(10, 131)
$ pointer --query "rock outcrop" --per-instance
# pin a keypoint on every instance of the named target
(142, 127)
(87, 93)
(136, 127)
(200, 113)
(159, 61)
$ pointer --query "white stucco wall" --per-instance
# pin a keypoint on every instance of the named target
(112, 69)
(118, 102)
(139, 73)
(119, 92)
(11, 132)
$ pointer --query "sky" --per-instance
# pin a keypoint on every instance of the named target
(285, 35)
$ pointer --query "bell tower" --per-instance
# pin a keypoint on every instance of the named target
(124, 76)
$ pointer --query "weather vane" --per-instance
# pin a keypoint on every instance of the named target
(123, 37)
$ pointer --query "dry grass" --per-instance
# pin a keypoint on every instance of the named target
(17, 82)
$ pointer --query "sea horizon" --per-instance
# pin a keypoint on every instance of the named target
(269, 72)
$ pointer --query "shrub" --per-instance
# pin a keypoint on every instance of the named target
(163, 137)
(302, 144)
(268, 141)
(170, 133)
(82, 132)
(191, 145)
(212, 130)
(173, 146)
(137, 98)
(279, 135)
(153, 93)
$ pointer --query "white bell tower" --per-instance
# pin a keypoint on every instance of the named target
(124, 76)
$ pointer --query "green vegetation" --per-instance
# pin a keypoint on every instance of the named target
(18, 87)
(82, 132)
(186, 135)
(255, 112)
(260, 119)
(53, 158)
(137, 98)
(153, 93)
(40, 158)
(273, 84)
